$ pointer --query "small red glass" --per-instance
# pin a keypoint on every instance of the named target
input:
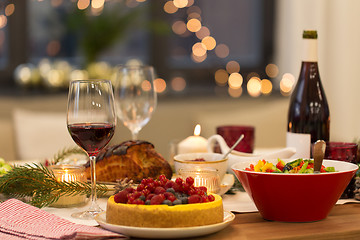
(347, 152)
(231, 134)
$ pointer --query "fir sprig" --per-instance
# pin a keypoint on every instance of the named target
(39, 185)
(63, 153)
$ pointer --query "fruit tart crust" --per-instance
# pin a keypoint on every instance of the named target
(163, 216)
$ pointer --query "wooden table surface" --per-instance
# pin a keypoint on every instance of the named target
(342, 223)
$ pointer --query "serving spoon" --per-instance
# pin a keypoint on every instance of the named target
(233, 146)
(318, 153)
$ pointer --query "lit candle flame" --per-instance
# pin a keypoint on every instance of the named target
(197, 130)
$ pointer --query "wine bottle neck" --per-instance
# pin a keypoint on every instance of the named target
(310, 50)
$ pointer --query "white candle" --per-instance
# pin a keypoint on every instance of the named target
(193, 144)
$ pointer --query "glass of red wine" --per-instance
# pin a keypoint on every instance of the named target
(91, 121)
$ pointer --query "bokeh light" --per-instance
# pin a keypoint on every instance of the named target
(180, 3)
(134, 62)
(97, 3)
(54, 78)
(272, 70)
(190, 3)
(159, 85)
(235, 93)
(199, 49)
(79, 74)
(179, 27)
(146, 85)
(193, 25)
(232, 66)
(9, 9)
(254, 87)
(286, 84)
(23, 74)
(170, 8)
(178, 84)
(222, 51)
(203, 32)
(83, 4)
(3, 21)
(53, 48)
(221, 77)
(266, 86)
(209, 42)
(235, 80)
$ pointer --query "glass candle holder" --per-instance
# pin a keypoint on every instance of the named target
(232, 133)
(69, 173)
(207, 177)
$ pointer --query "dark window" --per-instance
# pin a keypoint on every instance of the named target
(244, 28)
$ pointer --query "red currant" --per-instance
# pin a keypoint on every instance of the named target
(140, 187)
(194, 199)
(190, 180)
(211, 198)
(203, 188)
(169, 184)
(179, 181)
(151, 195)
(157, 199)
(162, 178)
(130, 190)
(145, 192)
(121, 197)
(159, 190)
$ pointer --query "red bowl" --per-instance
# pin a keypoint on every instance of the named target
(295, 197)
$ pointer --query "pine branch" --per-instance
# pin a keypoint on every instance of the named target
(62, 154)
(39, 184)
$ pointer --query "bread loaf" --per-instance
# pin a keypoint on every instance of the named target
(134, 160)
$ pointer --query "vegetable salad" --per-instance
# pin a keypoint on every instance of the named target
(297, 166)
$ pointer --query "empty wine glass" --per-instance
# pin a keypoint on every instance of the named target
(91, 121)
(135, 96)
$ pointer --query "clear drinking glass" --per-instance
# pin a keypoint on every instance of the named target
(91, 121)
(135, 96)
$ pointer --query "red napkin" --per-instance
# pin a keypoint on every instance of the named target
(19, 220)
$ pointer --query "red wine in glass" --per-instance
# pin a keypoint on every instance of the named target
(91, 121)
(92, 137)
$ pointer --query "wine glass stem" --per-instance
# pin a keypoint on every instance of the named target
(94, 207)
(134, 135)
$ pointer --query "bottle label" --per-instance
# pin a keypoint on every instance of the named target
(310, 50)
(301, 142)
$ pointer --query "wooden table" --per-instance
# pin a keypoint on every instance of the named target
(342, 223)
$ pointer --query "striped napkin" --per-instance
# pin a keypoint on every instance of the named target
(19, 220)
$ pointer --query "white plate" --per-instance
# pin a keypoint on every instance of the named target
(183, 232)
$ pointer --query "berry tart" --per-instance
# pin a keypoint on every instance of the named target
(164, 203)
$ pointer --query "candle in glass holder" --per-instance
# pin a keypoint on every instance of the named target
(193, 144)
(207, 177)
(69, 173)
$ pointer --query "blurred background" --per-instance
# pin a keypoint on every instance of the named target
(217, 63)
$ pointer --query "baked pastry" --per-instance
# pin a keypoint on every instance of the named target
(134, 160)
(146, 207)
